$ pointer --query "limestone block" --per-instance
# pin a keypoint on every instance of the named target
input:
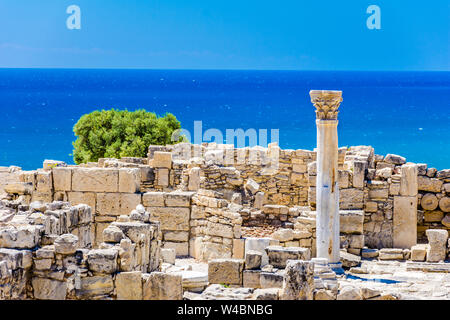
(66, 244)
(298, 282)
(129, 201)
(405, 222)
(271, 280)
(408, 180)
(95, 286)
(162, 160)
(19, 188)
(102, 260)
(437, 245)
(162, 286)
(251, 186)
(129, 180)
(369, 253)
(419, 252)
(429, 202)
(153, 199)
(394, 159)
(278, 255)
(62, 179)
(351, 199)
(238, 248)
(44, 181)
(194, 179)
(162, 177)
(171, 218)
(88, 198)
(429, 184)
(95, 179)
(168, 255)
(371, 206)
(322, 295)
(356, 241)
(181, 248)
(108, 204)
(259, 200)
(252, 260)
(251, 279)
(180, 236)
(112, 234)
(178, 199)
(225, 271)
(343, 179)
(390, 254)
(21, 237)
(444, 204)
(13, 258)
(351, 221)
(46, 289)
(359, 168)
(283, 235)
(129, 285)
(446, 221)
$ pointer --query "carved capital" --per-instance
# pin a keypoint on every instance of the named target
(326, 103)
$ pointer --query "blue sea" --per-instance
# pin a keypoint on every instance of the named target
(406, 113)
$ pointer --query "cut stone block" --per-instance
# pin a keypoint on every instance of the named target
(153, 199)
(62, 179)
(351, 221)
(162, 160)
(225, 271)
(252, 260)
(405, 222)
(129, 180)
(95, 180)
(278, 255)
(129, 285)
(162, 286)
(251, 279)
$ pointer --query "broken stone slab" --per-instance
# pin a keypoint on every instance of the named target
(20, 237)
(252, 186)
(349, 293)
(260, 245)
(266, 294)
(437, 245)
(278, 255)
(419, 252)
(168, 255)
(112, 234)
(102, 260)
(298, 281)
(394, 159)
(349, 260)
(271, 280)
(193, 281)
(428, 267)
(66, 244)
(283, 235)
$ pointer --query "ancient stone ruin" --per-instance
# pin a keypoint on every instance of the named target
(212, 221)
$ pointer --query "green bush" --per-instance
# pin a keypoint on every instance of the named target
(120, 133)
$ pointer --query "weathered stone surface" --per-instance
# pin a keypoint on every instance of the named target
(102, 260)
(446, 221)
(437, 245)
(419, 252)
(369, 253)
(62, 179)
(66, 244)
(408, 180)
(251, 186)
(349, 260)
(394, 159)
(283, 235)
(88, 198)
(225, 271)
(359, 168)
(390, 254)
(19, 188)
(351, 221)
(162, 160)
(129, 285)
(266, 294)
(443, 174)
(351, 199)
(251, 279)
(91, 287)
(323, 294)
(178, 199)
(271, 280)
(405, 222)
(239, 249)
(429, 184)
(194, 179)
(47, 289)
(95, 180)
(162, 286)
(278, 256)
(181, 248)
(129, 180)
(252, 260)
(171, 218)
(298, 281)
(429, 202)
(21, 237)
(112, 234)
(349, 293)
(168, 255)
(129, 201)
(153, 199)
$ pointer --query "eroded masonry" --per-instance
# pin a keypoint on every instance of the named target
(267, 223)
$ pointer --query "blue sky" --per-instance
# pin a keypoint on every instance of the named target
(216, 34)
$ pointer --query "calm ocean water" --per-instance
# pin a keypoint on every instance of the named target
(406, 113)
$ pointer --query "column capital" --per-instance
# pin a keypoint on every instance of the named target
(327, 103)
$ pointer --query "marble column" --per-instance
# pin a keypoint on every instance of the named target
(327, 189)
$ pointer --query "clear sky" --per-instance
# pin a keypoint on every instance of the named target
(226, 34)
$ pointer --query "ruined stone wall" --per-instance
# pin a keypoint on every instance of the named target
(44, 255)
